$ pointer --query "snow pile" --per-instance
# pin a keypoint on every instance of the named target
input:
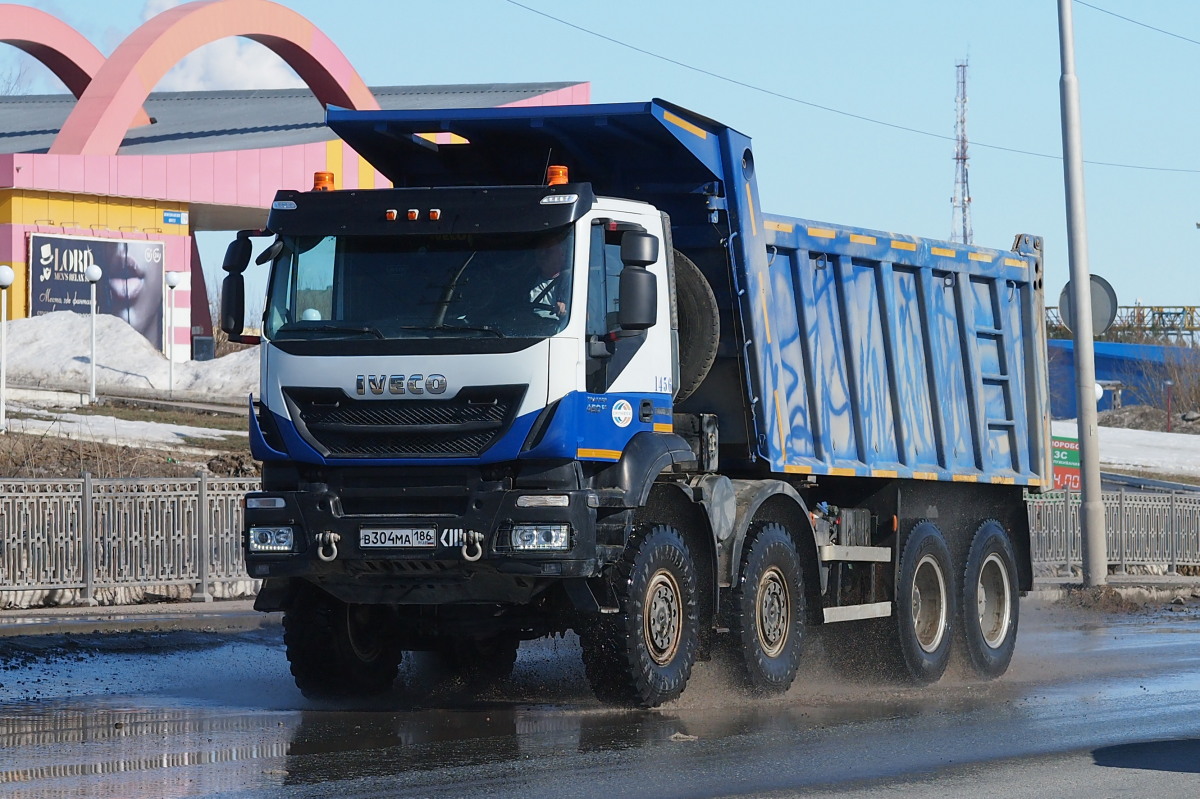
(54, 351)
(1141, 450)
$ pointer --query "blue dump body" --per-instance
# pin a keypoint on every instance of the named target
(891, 356)
(854, 352)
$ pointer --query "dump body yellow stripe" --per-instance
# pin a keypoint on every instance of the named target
(1014, 262)
(664, 427)
(679, 121)
(966, 478)
(762, 298)
(857, 238)
(822, 233)
(943, 252)
(884, 473)
(904, 245)
(782, 227)
(797, 469)
(753, 215)
(979, 256)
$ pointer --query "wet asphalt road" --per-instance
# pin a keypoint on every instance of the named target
(1093, 706)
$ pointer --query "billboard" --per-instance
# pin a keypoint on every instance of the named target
(1065, 459)
(131, 286)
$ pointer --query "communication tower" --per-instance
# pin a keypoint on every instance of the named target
(960, 230)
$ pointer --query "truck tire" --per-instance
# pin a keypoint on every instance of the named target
(338, 649)
(643, 654)
(699, 325)
(768, 624)
(481, 663)
(989, 601)
(925, 607)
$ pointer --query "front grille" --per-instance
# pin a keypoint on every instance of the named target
(339, 426)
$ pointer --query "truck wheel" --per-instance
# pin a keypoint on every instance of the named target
(699, 325)
(338, 649)
(925, 607)
(768, 624)
(989, 601)
(481, 663)
(643, 654)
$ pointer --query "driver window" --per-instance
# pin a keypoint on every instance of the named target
(314, 280)
(604, 276)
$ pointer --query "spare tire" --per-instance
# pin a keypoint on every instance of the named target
(699, 325)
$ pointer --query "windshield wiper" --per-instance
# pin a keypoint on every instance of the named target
(293, 327)
(468, 328)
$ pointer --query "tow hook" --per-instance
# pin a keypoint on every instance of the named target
(472, 550)
(327, 541)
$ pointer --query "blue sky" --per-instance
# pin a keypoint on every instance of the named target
(892, 62)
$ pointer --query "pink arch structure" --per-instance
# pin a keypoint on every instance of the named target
(62, 49)
(110, 104)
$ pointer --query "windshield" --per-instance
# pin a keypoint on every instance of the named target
(404, 287)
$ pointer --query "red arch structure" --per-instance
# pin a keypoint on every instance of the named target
(109, 105)
(62, 49)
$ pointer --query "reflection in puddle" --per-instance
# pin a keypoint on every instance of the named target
(54, 750)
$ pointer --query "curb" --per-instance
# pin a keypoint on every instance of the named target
(222, 616)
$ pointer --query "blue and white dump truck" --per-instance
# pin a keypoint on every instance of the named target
(501, 402)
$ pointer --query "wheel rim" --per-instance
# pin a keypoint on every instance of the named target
(664, 617)
(363, 643)
(929, 603)
(773, 612)
(993, 596)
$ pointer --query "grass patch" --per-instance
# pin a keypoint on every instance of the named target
(222, 444)
(173, 416)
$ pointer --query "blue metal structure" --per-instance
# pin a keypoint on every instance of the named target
(889, 355)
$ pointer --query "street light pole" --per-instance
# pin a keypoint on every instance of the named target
(172, 279)
(6, 280)
(93, 274)
(1091, 512)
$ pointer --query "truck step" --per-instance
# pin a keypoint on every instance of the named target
(832, 552)
(873, 610)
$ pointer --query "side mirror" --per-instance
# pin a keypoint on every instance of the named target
(638, 249)
(638, 293)
(270, 253)
(237, 255)
(233, 304)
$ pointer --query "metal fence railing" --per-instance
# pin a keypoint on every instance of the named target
(1143, 530)
(88, 539)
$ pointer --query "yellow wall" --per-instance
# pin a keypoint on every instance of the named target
(87, 211)
(76, 214)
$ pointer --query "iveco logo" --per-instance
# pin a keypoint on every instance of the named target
(399, 384)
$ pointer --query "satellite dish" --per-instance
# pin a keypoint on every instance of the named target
(1104, 306)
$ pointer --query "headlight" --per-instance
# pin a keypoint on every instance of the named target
(271, 539)
(541, 536)
(543, 501)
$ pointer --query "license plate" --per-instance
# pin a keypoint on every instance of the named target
(401, 538)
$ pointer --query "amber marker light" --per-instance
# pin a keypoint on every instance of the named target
(322, 181)
(413, 214)
(390, 214)
(435, 214)
(556, 175)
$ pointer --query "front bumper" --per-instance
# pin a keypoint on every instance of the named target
(471, 558)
